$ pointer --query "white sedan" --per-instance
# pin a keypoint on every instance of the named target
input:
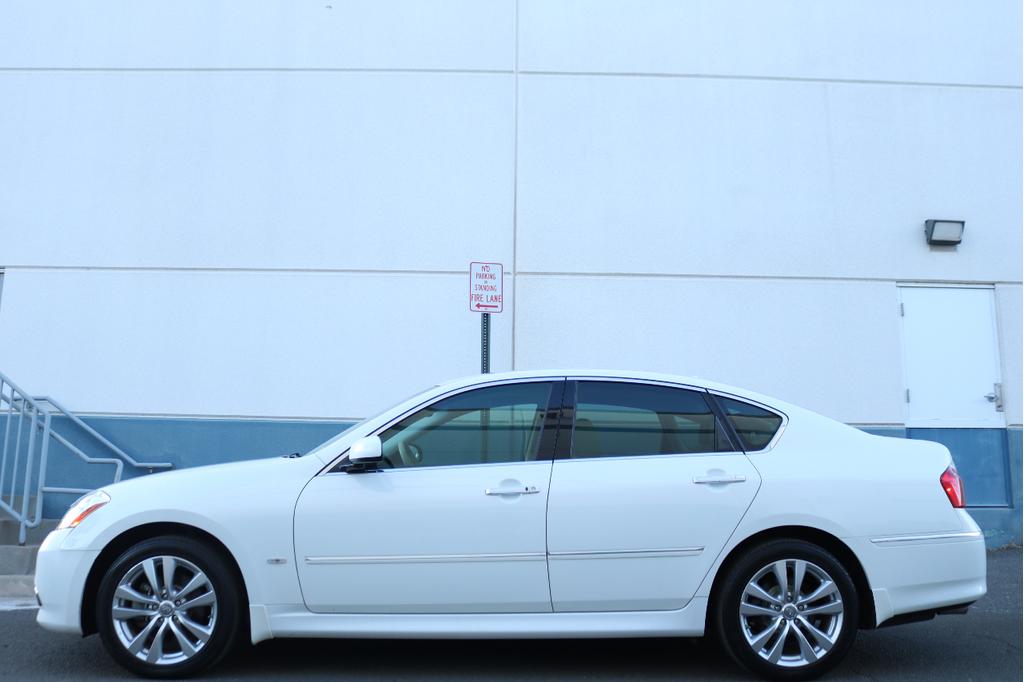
(531, 504)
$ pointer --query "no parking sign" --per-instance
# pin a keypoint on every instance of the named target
(485, 287)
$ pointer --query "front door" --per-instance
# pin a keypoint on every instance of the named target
(453, 522)
(651, 491)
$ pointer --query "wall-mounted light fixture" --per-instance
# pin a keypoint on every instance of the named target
(944, 232)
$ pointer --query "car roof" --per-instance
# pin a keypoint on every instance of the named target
(615, 374)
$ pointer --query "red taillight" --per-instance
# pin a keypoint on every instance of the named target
(954, 487)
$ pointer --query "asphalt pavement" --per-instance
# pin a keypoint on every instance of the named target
(983, 645)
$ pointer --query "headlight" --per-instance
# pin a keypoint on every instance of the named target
(85, 505)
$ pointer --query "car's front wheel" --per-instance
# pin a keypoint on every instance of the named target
(168, 607)
(787, 610)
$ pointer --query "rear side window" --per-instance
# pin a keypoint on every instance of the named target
(754, 425)
(615, 419)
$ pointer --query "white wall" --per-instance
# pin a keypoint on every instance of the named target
(747, 177)
(256, 169)
(258, 34)
(337, 345)
(268, 208)
(930, 41)
(780, 337)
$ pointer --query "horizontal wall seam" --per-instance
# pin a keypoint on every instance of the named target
(522, 273)
(509, 72)
(245, 69)
(156, 268)
(876, 425)
(819, 278)
(748, 77)
(903, 425)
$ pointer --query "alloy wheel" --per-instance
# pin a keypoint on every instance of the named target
(164, 610)
(791, 613)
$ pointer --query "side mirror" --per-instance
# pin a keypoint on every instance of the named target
(364, 455)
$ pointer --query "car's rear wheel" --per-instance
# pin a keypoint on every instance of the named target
(787, 610)
(168, 607)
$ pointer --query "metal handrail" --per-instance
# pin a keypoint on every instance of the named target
(23, 516)
(21, 406)
(118, 464)
(100, 437)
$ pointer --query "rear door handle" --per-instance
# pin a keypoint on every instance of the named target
(524, 490)
(719, 478)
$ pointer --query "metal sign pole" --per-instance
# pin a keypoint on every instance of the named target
(485, 343)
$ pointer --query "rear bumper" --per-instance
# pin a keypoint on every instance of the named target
(60, 582)
(919, 576)
(927, 614)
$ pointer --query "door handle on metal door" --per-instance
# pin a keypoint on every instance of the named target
(525, 490)
(996, 396)
(719, 478)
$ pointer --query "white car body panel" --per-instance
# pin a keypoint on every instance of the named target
(61, 575)
(247, 506)
(621, 531)
(297, 622)
(880, 497)
(929, 571)
(435, 543)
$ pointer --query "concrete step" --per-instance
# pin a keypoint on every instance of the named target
(9, 532)
(16, 560)
(16, 586)
(15, 500)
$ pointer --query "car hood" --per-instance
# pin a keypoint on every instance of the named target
(231, 478)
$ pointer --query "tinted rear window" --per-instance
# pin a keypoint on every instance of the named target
(754, 425)
(618, 418)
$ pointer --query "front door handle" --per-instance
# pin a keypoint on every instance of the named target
(719, 478)
(522, 490)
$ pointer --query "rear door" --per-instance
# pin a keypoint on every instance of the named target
(643, 497)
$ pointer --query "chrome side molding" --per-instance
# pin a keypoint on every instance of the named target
(893, 540)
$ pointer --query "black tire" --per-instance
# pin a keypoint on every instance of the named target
(228, 605)
(732, 629)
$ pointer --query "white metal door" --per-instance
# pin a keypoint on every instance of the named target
(951, 357)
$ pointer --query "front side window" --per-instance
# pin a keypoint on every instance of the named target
(482, 426)
(754, 425)
(617, 418)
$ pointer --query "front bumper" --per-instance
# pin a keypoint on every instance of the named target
(60, 583)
